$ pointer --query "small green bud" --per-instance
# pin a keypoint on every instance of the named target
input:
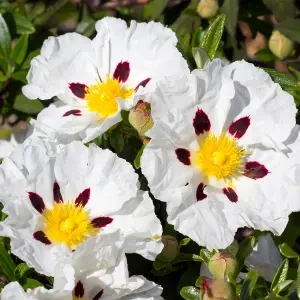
(207, 8)
(140, 118)
(217, 290)
(223, 266)
(280, 45)
(169, 252)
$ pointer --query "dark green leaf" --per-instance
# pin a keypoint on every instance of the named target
(27, 106)
(282, 78)
(245, 248)
(199, 281)
(20, 76)
(31, 284)
(231, 9)
(280, 275)
(7, 264)
(154, 9)
(5, 39)
(298, 282)
(213, 36)
(190, 293)
(183, 242)
(281, 9)
(22, 270)
(117, 139)
(137, 160)
(283, 286)
(205, 255)
(159, 265)
(248, 285)
(86, 26)
(20, 49)
(30, 56)
(265, 55)
(198, 37)
(189, 277)
(287, 251)
(23, 25)
(290, 28)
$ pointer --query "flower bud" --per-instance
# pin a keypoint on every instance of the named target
(169, 252)
(280, 45)
(217, 290)
(207, 8)
(140, 117)
(223, 266)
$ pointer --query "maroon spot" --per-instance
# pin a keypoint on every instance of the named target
(201, 122)
(255, 170)
(122, 71)
(56, 193)
(74, 112)
(101, 222)
(78, 89)
(183, 156)
(41, 237)
(239, 127)
(79, 290)
(200, 192)
(98, 296)
(37, 202)
(231, 194)
(142, 83)
(83, 198)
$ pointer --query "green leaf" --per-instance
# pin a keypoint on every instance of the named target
(137, 160)
(245, 248)
(86, 26)
(282, 78)
(298, 282)
(205, 255)
(183, 242)
(201, 57)
(20, 76)
(25, 105)
(190, 293)
(23, 25)
(281, 9)
(20, 49)
(280, 275)
(287, 251)
(22, 270)
(31, 284)
(198, 37)
(233, 248)
(213, 36)
(30, 56)
(265, 55)
(248, 285)
(290, 28)
(116, 139)
(154, 9)
(159, 265)
(283, 286)
(199, 281)
(7, 264)
(231, 9)
(5, 39)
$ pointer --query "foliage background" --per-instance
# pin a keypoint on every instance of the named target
(24, 25)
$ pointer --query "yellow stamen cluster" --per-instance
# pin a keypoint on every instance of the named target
(101, 97)
(219, 157)
(66, 223)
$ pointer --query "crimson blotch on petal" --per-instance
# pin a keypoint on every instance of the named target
(143, 83)
(41, 237)
(201, 122)
(101, 222)
(183, 156)
(37, 201)
(57, 197)
(122, 71)
(230, 194)
(78, 89)
(239, 127)
(255, 170)
(83, 198)
(79, 290)
(99, 295)
(200, 192)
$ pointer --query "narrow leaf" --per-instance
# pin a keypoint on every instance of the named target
(248, 285)
(287, 251)
(23, 25)
(20, 49)
(205, 255)
(22, 270)
(245, 248)
(190, 293)
(201, 57)
(7, 264)
(281, 78)
(137, 160)
(298, 282)
(213, 36)
(31, 284)
(5, 39)
(282, 286)
(280, 275)
(27, 106)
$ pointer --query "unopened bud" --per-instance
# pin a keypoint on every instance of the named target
(140, 117)
(223, 266)
(217, 290)
(280, 45)
(169, 252)
(207, 8)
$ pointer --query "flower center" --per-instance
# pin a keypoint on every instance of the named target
(68, 223)
(219, 157)
(101, 97)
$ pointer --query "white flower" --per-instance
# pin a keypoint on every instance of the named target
(230, 160)
(56, 201)
(96, 79)
(265, 258)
